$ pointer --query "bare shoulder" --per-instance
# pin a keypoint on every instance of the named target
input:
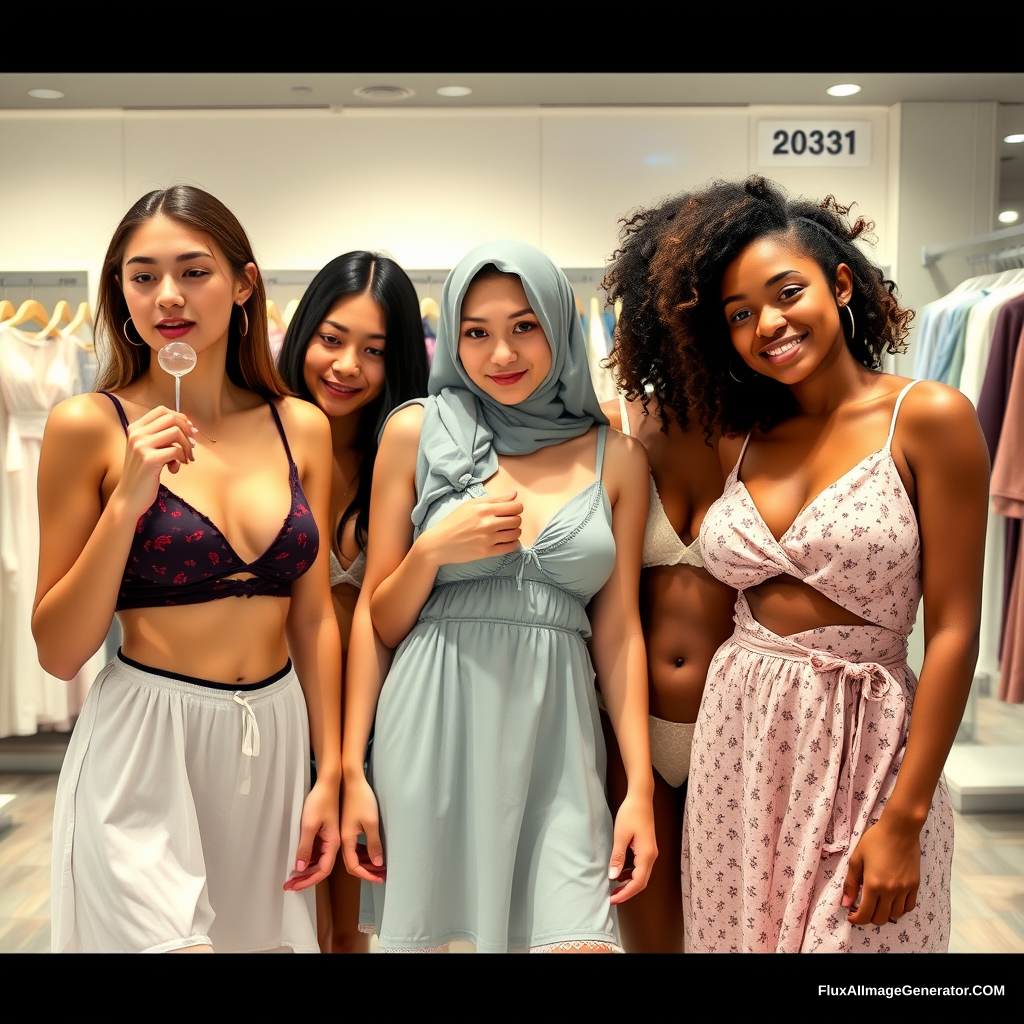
(82, 425)
(303, 419)
(729, 448)
(938, 422)
(626, 459)
(404, 427)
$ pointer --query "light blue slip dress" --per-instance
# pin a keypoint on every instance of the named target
(488, 760)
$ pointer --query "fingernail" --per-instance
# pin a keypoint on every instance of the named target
(378, 860)
(300, 865)
(847, 900)
(195, 430)
(613, 874)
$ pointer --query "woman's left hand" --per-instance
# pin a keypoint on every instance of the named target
(885, 868)
(634, 829)
(319, 838)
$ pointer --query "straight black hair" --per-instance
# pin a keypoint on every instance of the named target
(405, 354)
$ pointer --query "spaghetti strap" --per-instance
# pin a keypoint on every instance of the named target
(280, 430)
(624, 414)
(739, 460)
(895, 412)
(602, 434)
(120, 410)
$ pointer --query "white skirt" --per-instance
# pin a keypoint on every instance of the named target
(177, 817)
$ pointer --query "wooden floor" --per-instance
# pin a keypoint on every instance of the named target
(988, 860)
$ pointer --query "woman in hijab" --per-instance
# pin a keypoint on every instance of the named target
(502, 505)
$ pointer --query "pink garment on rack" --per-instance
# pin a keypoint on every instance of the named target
(1008, 500)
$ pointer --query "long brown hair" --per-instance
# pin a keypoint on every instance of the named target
(249, 363)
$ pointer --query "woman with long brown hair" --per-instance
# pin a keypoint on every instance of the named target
(184, 819)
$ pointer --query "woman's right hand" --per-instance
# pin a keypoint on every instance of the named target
(477, 528)
(361, 816)
(160, 437)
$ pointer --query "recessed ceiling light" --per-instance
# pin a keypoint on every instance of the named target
(843, 90)
(302, 90)
(384, 92)
(46, 94)
(1009, 216)
(454, 90)
(1013, 138)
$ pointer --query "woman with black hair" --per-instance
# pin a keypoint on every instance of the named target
(817, 819)
(686, 612)
(355, 348)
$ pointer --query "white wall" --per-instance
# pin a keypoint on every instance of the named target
(424, 185)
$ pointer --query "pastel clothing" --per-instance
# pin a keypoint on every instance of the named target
(799, 738)
(488, 759)
(353, 575)
(670, 741)
(177, 816)
(35, 375)
(179, 556)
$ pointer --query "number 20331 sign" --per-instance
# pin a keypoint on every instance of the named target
(814, 143)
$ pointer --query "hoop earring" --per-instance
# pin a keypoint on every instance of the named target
(853, 325)
(742, 380)
(245, 317)
(124, 331)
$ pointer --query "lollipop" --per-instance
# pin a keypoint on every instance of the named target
(177, 358)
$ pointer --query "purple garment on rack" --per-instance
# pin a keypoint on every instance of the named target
(991, 413)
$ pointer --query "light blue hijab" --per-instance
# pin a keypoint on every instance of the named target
(464, 429)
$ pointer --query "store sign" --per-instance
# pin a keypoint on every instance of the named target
(814, 143)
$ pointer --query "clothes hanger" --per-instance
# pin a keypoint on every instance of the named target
(6, 310)
(61, 313)
(289, 311)
(83, 316)
(429, 308)
(30, 309)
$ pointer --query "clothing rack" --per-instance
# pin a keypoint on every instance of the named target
(931, 254)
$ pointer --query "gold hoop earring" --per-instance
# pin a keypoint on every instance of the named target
(853, 325)
(124, 331)
(741, 380)
(245, 317)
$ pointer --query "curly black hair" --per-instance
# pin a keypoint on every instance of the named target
(643, 353)
(721, 220)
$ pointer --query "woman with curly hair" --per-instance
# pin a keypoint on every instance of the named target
(817, 818)
(686, 612)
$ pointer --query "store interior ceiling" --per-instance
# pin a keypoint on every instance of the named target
(397, 89)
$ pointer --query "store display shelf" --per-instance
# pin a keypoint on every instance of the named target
(983, 778)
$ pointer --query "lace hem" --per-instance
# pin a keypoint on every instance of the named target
(593, 945)
(443, 948)
(366, 929)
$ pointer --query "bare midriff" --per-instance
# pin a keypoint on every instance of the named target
(232, 640)
(785, 605)
(687, 616)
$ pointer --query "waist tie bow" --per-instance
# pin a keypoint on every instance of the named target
(861, 683)
(250, 739)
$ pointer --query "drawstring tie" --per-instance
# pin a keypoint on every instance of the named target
(526, 556)
(250, 739)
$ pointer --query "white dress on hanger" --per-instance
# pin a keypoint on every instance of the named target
(34, 376)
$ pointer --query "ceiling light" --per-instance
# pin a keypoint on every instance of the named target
(384, 92)
(1006, 138)
(454, 90)
(843, 90)
(46, 94)
(1009, 216)
(302, 90)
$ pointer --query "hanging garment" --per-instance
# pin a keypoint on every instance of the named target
(34, 376)
(1007, 489)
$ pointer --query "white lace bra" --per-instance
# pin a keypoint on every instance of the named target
(353, 575)
(662, 545)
